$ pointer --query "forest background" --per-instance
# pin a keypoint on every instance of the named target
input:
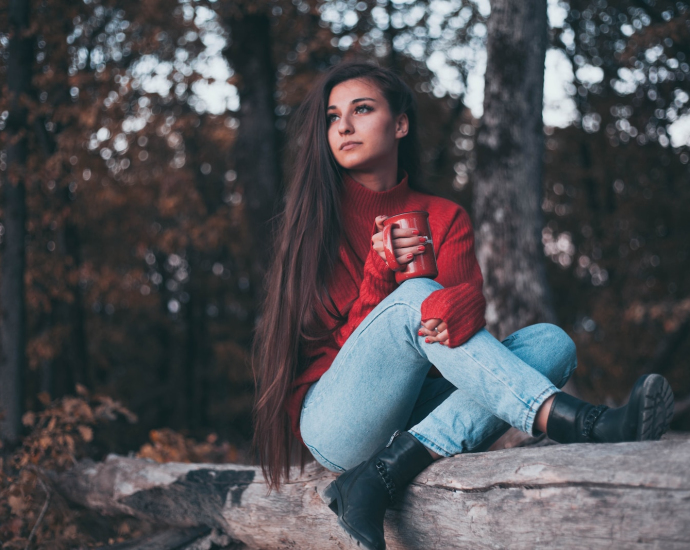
(147, 144)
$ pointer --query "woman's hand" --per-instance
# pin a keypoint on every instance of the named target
(406, 242)
(435, 330)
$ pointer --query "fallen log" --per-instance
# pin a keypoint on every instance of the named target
(189, 538)
(627, 495)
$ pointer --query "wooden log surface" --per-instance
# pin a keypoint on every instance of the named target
(626, 495)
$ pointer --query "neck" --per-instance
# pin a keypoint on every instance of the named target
(381, 178)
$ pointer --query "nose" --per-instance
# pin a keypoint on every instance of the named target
(345, 125)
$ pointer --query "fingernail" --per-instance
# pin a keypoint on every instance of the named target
(427, 340)
(420, 248)
(422, 239)
(409, 256)
(415, 231)
(420, 333)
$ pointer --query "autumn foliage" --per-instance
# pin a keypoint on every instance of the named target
(70, 429)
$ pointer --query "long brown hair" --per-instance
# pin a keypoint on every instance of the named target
(305, 251)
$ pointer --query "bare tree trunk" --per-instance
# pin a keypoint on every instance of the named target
(13, 325)
(72, 366)
(199, 358)
(256, 150)
(508, 178)
(60, 373)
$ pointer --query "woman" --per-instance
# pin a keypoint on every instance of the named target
(343, 355)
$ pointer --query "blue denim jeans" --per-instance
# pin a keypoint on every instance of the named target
(378, 383)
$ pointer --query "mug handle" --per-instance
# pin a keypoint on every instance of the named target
(388, 248)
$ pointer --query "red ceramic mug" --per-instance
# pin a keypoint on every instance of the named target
(422, 265)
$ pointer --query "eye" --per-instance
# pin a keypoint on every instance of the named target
(364, 108)
(330, 119)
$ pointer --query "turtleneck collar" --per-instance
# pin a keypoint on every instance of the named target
(363, 201)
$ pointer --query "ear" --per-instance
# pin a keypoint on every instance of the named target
(402, 126)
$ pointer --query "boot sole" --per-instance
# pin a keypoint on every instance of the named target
(656, 408)
(333, 499)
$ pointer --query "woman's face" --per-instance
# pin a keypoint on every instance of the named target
(363, 133)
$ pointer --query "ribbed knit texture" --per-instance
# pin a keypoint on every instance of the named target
(361, 279)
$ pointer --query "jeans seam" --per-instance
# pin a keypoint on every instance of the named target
(363, 328)
(333, 464)
(525, 415)
(528, 412)
(343, 360)
(488, 371)
(397, 302)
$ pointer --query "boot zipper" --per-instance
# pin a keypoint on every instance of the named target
(390, 441)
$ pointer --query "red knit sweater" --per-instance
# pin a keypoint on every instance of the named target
(361, 279)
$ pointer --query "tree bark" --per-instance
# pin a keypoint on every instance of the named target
(12, 291)
(628, 495)
(508, 178)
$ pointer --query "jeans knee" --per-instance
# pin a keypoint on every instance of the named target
(415, 290)
(330, 449)
(563, 351)
(316, 439)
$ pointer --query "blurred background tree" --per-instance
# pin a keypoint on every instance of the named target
(13, 328)
(155, 133)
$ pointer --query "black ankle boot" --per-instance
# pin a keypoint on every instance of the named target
(361, 495)
(645, 417)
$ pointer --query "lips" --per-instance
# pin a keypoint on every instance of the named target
(349, 145)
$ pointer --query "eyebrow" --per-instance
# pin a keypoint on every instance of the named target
(354, 101)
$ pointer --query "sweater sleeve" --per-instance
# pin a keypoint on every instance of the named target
(378, 282)
(460, 304)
